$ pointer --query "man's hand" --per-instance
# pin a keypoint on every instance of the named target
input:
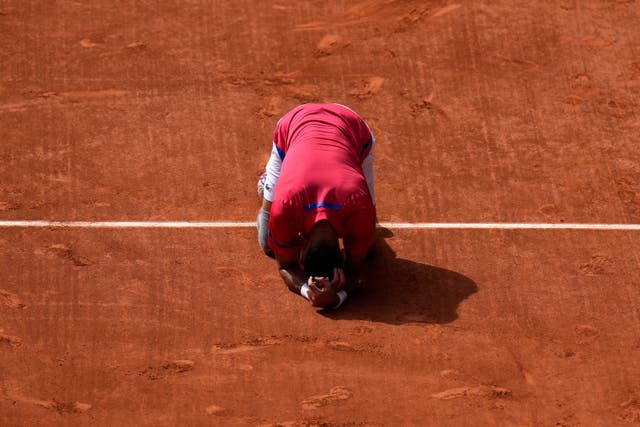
(322, 292)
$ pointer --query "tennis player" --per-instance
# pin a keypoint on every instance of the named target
(317, 191)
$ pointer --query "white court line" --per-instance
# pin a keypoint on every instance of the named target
(251, 224)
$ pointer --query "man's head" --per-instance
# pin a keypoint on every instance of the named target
(323, 253)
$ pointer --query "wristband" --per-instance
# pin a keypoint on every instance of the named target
(343, 296)
(304, 290)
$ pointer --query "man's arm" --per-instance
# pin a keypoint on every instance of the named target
(282, 239)
(291, 272)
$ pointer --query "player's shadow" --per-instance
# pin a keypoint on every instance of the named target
(401, 291)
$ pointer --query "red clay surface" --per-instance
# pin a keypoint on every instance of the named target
(484, 112)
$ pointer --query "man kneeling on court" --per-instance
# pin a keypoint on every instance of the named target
(316, 190)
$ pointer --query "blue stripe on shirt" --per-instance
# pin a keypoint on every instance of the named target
(317, 205)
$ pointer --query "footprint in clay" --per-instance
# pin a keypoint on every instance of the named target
(336, 394)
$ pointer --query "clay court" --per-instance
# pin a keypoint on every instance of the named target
(506, 287)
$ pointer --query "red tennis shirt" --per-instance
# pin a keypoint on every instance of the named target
(322, 147)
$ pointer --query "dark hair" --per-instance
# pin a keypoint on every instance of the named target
(321, 259)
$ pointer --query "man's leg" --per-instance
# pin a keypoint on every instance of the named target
(266, 189)
(367, 169)
(262, 221)
(263, 232)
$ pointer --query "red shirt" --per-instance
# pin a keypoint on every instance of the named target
(322, 147)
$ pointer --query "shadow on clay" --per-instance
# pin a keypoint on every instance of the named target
(400, 291)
